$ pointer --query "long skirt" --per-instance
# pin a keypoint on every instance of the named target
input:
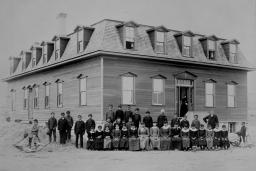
(194, 142)
(99, 143)
(134, 144)
(209, 142)
(175, 143)
(216, 142)
(124, 143)
(155, 142)
(185, 142)
(107, 143)
(144, 142)
(165, 143)
(202, 142)
(115, 142)
(91, 144)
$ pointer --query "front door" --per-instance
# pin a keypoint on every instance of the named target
(30, 104)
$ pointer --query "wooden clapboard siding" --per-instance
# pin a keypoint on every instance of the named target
(144, 69)
(67, 73)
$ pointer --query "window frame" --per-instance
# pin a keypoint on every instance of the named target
(57, 49)
(233, 55)
(45, 48)
(59, 95)
(208, 94)
(80, 43)
(129, 39)
(234, 95)
(133, 91)
(153, 91)
(47, 104)
(183, 46)
(13, 99)
(211, 50)
(157, 42)
(36, 97)
(82, 91)
(25, 98)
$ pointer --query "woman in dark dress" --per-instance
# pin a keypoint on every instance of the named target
(202, 137)
(165, 140)
(124, 144)
(116, 134)
(184, 106)
(185, 138)
(134, 141)
(107, 139)
(99, 141)
(91, 139)
(193, 137)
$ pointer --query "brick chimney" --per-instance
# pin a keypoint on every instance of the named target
(61, 24)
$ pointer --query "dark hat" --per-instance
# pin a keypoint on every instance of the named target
(68, 112)
(119, 105)
(90, 114)
(35, 120)
(137, 109)
(147, 111)
(62, 114)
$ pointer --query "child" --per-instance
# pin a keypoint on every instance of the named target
(175, 137)
(134, 141)
(108, 124)
(124, 138)
(243, 133)
(116, 134)
(154, 137)
(209, 137)
(201, 137)
(196, 122)
(33, 136)
(143, 136)
(185, 138)
(129, 123)
(89, 124)
(107, 139)
(165, 140)
(79, 131)
(99, 142)
(217, 137)
(91, 139)
(224, 137)
(193, 137)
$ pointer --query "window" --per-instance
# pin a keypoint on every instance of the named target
(57, 49)
(47, 96)
(34, 58)
(129, 37)
(211, 49)
(233, 51)
(80, 40)
(231, 95)
(83, 91)
(44, 54)
(187, 46)
(232, 127)
(59, 94)
(209, 94)
(128, 90)
(13, 99)
(158, 92)
(36, 96)
(25, 101)
(160, 42)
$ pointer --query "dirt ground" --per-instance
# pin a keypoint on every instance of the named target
(66, 158)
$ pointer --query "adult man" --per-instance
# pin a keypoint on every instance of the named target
(89, 124)
(62, 127)
(119, 113)
(184, 122)
(175, 120)
(161, 119)
(128, 113)
(79, 131)
(211, 119)
(147, 120)
(70, 124)
(137, 118)
(52, 124)
(110, 113)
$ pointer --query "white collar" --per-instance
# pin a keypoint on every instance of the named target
(183, 130)
(193, 129)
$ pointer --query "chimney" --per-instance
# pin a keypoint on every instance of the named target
(61, 24)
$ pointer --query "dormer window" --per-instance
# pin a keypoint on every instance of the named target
(211, 49)
(230, 49)
(60, 45)
(45, 51)
(233, 52)
(83, 37)
(209, 45)
(57, 49)
(184, 41)
(157, 36)
(80, 39)
(160, 42)
(33, 58)
(129, 38)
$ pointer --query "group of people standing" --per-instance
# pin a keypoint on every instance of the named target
(127, 130)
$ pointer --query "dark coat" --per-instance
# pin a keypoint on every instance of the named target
(52, 123)
(89, 124)
(175, 132)
(127, 115)
(70, 121)
(79, 127)
(184, 123)
(175, 121)
(148, 121)
(110, 114)
(211, 120)
(136, 120)
(62, 124)
(119, 114)
(161, 119)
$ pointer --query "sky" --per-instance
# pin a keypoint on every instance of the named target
(23, 22)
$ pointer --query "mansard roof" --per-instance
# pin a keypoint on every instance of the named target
(105, 39)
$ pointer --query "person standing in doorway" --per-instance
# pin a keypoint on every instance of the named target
(52, 124)
(184, 106)
(70, 125)
(62, 127)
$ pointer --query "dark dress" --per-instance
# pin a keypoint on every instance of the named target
(109, 125)
(183, 107)
(184, 123)
(62, 127)
(148, 121)
(91, 140)
(211, 120)
(224, 139)
(165, 140)
(134, 141)
(116, 135)
(161, 119)
(99, 140)
(175, 138)
(79, 132)
(124, 143)
(89, 124)
(185, 138)
(136, 120)
(217, 137)
(107, 140)
(202, 138)
(119, 114)
(129, 124)
(128, 114)
(193, 137)
(175, 121)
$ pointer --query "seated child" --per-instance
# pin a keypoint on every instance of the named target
(217, 137)
(134, 141)
(116, 134)
(91, 139)
(165, 140)
(185, 138)
(143, 133)
(107, 139)
(202, 137)
(193, 137)
(124, 138)
(175, 137)
(99, 141)
(154, 137)
(224, 137)
(209, 137)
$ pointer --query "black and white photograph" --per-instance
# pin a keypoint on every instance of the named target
(127, 85)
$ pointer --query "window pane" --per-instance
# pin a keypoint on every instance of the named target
(231, 101)
(36, 92)
(232, 48)
(80, 35)
(129, 34)
(47, 90)
(187, 41)
(209, 100)
(83, 84)
(211, 44)
(209, 87)
(128, 83)
(158, 85)
(26, 93)
(160, 36)
(57, 44)
(127, 97)
(83, 98)
(160, 47)
(186, 51)
(59, 88)
(231, 90)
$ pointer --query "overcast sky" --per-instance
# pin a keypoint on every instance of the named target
(24, 22)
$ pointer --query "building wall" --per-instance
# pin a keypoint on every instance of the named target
(67, 73)
(144, 69)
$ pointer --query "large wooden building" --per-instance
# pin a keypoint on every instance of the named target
(116, 62)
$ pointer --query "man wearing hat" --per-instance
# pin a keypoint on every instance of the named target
(62, 127)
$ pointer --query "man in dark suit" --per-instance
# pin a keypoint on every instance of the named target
(89, 124)
(128, 114)
(79, 131)
(110, 113)
(147, 120)
(62, 127)
(211, 119)
(175, 120)
(70, 124)
(119, 113)
(137, 118)
(161, 119)
(52, 124)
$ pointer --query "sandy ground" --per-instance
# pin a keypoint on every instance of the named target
(56, 157)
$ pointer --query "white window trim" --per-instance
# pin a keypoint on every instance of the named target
(158, 104)
(134, 90)
(213, 95)
(80, 91)
(183, 46)
(235, 104)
